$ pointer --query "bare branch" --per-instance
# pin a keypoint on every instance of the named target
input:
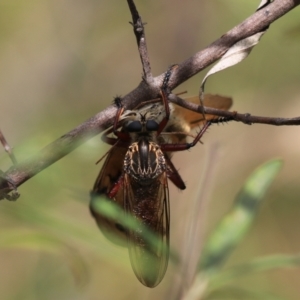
(7, 148)
(138, 29)
(246, 118)
(56, 150)
(68, 142)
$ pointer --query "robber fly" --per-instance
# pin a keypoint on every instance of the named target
(135, 175)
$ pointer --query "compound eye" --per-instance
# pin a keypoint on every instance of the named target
(151, 125)
(134, 126)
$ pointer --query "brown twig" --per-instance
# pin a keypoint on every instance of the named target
(246, 118)
(7, 148)
(10, 184)
(138, 29)
(24, 170)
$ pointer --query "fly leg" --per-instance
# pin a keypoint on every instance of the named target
(186, 146)
(164, 95)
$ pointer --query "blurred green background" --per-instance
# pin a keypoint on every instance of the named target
(61, 62)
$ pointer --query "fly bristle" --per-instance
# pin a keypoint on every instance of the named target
(221, 120)
(117, 101)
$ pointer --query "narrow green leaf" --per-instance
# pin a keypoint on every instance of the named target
(233, 227)
(35, 241)
(116, 213)
(235, 292)
(258, 265)
(64, 227)
(31, 240)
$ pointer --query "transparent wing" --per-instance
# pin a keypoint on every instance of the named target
(108, 177)
(148, 242)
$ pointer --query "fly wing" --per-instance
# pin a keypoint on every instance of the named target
(108, 179)
(150, 206)
(184, 120)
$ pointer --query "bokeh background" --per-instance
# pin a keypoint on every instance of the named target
(61, 62)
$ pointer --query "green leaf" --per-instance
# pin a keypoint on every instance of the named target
(258, 265)
(234, 226)
(235, 292)
(35, 241)
(62, 226)
(113, 211)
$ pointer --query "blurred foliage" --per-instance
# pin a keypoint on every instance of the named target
(234, 226)
(64, 61)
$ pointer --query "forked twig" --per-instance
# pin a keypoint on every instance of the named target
(138, 29)
(7, 148)
(9, 183)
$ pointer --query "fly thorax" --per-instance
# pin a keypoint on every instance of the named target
(144, 161)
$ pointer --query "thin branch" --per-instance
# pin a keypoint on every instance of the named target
(24, 170)
(138, 29)
(10, 184)
(245, 118)
(7, 148)
(68, 142)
